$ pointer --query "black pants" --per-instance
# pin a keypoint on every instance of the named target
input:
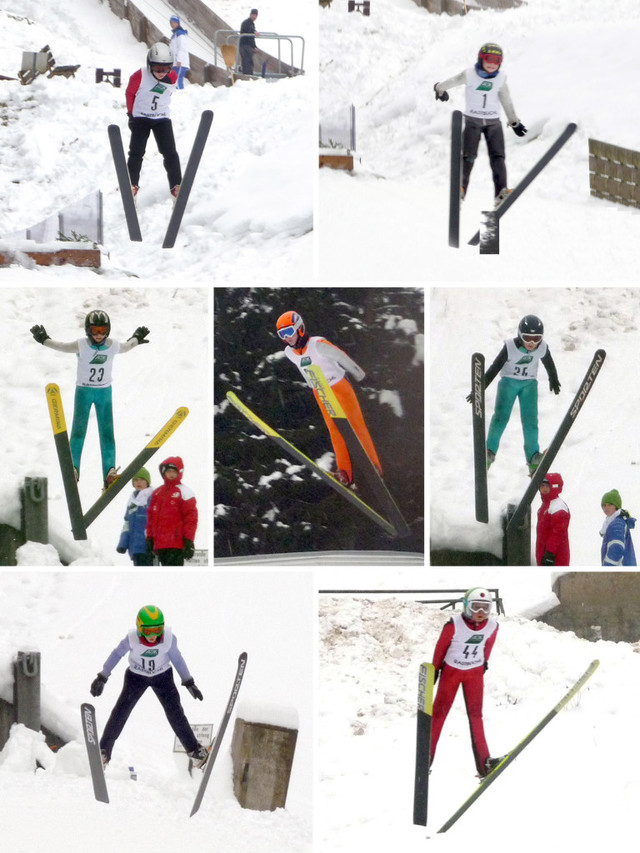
(142, 559)
(170, 556)
(246, 59)
(165, 689)
(163, 132)
(494, 135)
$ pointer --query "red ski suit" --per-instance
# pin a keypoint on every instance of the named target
(472, 680)
(172, 515)
(552, 532)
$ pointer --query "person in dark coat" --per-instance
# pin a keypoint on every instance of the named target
(248, 42)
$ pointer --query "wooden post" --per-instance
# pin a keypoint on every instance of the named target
(262, 758)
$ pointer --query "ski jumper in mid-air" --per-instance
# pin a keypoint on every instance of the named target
(95, 354)
(148, 106)
(517, 362)
(304, 350)
(486, 91)
(153, 650)
(461, 657)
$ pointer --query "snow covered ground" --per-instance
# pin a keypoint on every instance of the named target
(149, 384)
(575, 786)
(564, 61)
(251, 211)
(74, 619)
(600, 453)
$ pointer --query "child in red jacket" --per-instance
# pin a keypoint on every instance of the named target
(461, 656)
(552, 532)
(172, 517)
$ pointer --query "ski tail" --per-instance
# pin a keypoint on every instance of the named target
(145, 454)
(426, 680)
(356, 450)
(455, 179)
(90, 731)
(61, 438)
(124, 183)
(550, 454)
(188, 179)
(531, 175)
(479, 437)
(208, 767)
(293, 451)
(511, 756)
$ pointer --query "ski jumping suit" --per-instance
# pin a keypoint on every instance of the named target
(552, 532)
(484, 93)
(518, 370)
(93, 388)
(461, 656)
(149, 666)
(148, 102)
(617, 545)
(334, 363)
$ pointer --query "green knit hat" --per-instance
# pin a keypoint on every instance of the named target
(612, 497)
(143, 474)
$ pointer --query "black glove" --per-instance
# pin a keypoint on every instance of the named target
(191, 687)
(469, 398)
(149, 546)
(121, 550)
(140, 334)
(98, 683)
(440, 97)
(188, 549)
(518, 128)
(436, 676)
(554, 386)
(548, 559)
(486, 666)
(39, 333)
(131, 123)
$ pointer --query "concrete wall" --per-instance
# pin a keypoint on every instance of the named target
(598, 604)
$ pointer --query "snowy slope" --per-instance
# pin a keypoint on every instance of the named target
(564, 61)
(600, 453)
(74, 620)
(251, 210)
(149, 384)
(572, 786)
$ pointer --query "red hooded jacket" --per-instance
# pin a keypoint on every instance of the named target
(553, 524)
(172, 515)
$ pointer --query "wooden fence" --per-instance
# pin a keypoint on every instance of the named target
(614, 173)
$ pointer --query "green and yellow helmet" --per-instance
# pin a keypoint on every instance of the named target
(150, 623)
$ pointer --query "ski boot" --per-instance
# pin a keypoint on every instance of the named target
(112, 476)
(174, 192)
(343, 478)
(76, 474)
(105, 758)
(199, 755)
(490, 765)
(491, 457)
(500, 197)
(463, 193)
(533, 463)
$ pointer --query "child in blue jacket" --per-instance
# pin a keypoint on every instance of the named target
(617, 546)
(132, 537)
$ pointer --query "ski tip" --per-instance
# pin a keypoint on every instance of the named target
(52, 388)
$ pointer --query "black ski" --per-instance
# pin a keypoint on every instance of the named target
(145, 454)
(292, 450)
(455, 179)
(550, 454)
(517, 191)
(242, 663)
(506, 761)
(124, 182)
(90, 730)
(423, 743)
(356, 450)
(188, 178)
(61, 438)
(479, 437)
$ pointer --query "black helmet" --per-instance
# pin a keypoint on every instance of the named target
(96, 318)
(530, 325)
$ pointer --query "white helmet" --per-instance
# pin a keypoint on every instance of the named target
(477, 599)
(159, 54)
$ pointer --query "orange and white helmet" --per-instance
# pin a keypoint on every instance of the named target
(288, 325)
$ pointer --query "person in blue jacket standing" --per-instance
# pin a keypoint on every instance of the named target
(179, 47)
(617, 545)
(132, 537)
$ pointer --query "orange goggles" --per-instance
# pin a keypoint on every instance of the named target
(151, 630)
(98, 330)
